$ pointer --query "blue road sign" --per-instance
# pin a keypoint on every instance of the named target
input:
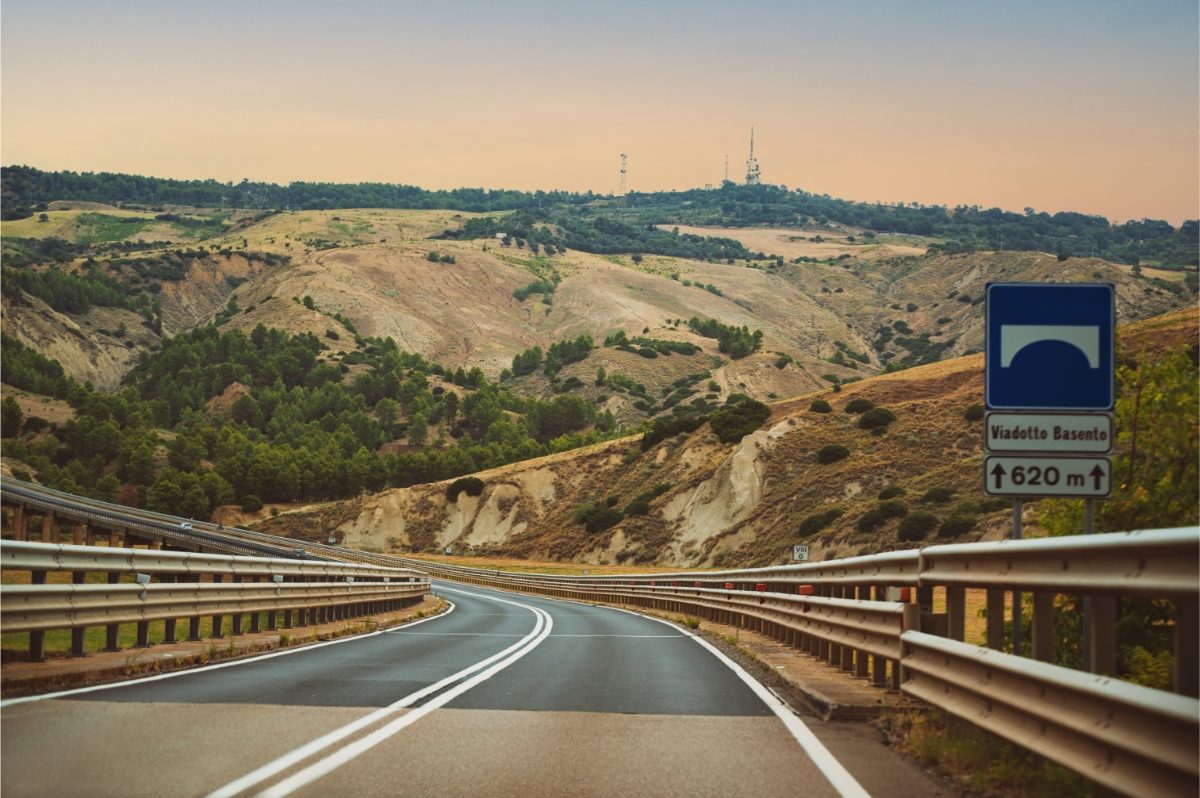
(1049, 346)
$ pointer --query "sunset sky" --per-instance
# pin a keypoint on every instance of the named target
(1090, 106)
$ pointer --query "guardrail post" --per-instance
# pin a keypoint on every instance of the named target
(236, 618)
(143, 635)
(217, 620)
(1043, 626)
(995, 618)
(112, 631)
(37, 640)
(287, 619)
(1101, 635)
(169, 623)
(77, 635)
(1186, 679)
(254, 616)
(956, 611)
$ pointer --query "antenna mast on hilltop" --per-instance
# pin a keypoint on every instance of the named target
(752, 173)
(624, 163)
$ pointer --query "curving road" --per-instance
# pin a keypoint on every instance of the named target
(506, 695)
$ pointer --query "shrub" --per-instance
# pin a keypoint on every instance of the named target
(891, 491)
(738, 419)
(876, 418)
(956, 525)
(832, 453)
(937, 495)
(472, 485)
(820, 406)
(611, 501)
(637, 507)
(992, 505)
(596, 519)
(815, 523)
(655, 492)
(893, 510)
(859, 405)
(251, 503)
(669, 427)
(973, 413)
(915, 526)
(871, 520)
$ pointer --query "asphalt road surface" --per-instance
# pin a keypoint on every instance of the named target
(506, 695)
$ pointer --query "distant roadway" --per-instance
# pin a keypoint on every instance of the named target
(506, 695)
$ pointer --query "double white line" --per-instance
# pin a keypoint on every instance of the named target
(493, 664)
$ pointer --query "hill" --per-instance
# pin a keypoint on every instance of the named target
(708, 503)
(836, 317)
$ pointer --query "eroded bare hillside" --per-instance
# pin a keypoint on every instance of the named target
(715, 504)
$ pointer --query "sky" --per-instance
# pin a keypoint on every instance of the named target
(1081, 105)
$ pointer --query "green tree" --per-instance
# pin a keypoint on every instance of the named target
(10, 417)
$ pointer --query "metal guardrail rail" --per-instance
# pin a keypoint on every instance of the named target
(1126, 737)
(167, 528)
(170, 586)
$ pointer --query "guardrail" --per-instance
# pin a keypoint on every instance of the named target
(1126, 737)
(53, 505)
(149, 585)
(873, 616)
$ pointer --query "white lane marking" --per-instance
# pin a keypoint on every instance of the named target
(314, 747)
(245, 661)
(555, 637)
(833, 770)
(344, 755)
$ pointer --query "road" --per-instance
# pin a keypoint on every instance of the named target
(505, 695)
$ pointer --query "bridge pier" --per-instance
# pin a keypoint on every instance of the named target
(79, 533)
(19, 522)
(49, 530)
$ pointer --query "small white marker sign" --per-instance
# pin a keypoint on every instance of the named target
(800, 552)
(1082, 433)
(1082, 477)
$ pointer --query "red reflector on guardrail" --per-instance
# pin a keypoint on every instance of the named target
(906, 594)
(699, 584)
(761, 586)
(729, 585)
(804, 590)
(674, 584)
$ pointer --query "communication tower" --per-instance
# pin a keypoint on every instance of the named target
(753, 177)
(624, 164)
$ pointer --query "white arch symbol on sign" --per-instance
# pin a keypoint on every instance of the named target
(1015, 337)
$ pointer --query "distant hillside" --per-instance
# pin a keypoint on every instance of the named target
(830, 309)
(692, 500)
(964, 228)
